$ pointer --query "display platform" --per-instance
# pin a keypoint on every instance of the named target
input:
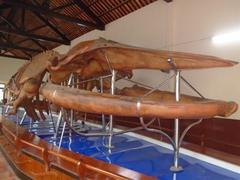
(132, 153)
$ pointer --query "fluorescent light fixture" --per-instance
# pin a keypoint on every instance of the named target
(227, 38)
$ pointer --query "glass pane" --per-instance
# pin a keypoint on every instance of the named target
(2, 85)
(1, 95)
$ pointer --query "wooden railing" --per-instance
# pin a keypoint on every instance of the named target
(51, 156)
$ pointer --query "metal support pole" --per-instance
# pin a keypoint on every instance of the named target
(71, 82)
(52, 119)
(59, 120)
(23, 118)
(60, 115)
(8, 106)
(61, 138)
(103, 116)
(17, 122)
(17, 117)
(71, 120)
(30, 125)
(111, 116)
(176, 166)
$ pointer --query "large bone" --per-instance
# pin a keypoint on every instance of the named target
(91, 102)
(26, 82)
(157, 95)
(97, 57)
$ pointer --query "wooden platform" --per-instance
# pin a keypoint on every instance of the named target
(33, 158)
(6, 171)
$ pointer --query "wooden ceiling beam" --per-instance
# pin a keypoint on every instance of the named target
(33, 36)
(14, 26)
(59, 8)
(23, 18)
(48, 23)
(7, 41)
(51, 26)
(113, 8)
(88, 11)
(50, 13)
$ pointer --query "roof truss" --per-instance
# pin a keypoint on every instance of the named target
(16, 34)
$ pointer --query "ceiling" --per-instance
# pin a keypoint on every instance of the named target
(28, 27)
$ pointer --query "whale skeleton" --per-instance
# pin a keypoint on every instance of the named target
(100, 57)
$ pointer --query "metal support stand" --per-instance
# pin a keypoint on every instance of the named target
(71, 121)
(109, 145)
(103, 116)
(61, 138)
(17, 122)
(30, 125)
(59, 120)
(23, 118)
(8, 106)
(51, 116)
(176, 141)
(176, 167)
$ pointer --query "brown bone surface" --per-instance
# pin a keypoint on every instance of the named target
(91, 102)
(98, 57)
(166, 96)
(25, 84)
(157, 95)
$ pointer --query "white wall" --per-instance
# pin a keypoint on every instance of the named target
(8, 66)
(196, 22)
(188, 26)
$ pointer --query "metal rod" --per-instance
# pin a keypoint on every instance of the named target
(17, 123)
(111, 116)
(71, 120)
(63, 129)
(8, 106)
(129, 130)
(30, 125)
(23, 118)
(89, 134)
(193, 88)
(53, 123)
(187, 129)
(176, 166)
(71, 81)
(94, 79)
(59, 120)
(60, 115)
(145, 126)
(135, 82)
(103, 116)
(158, 86)
(176, 122)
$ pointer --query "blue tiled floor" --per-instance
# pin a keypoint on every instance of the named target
(144, 157)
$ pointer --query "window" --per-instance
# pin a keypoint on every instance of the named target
(2, 86)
